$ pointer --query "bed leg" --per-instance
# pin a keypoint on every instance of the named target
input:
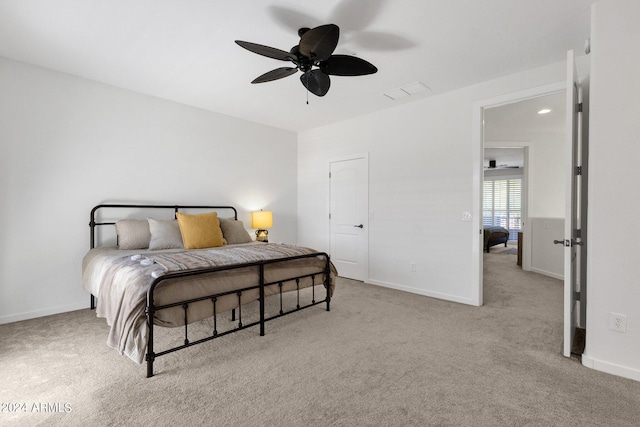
(93, 302)
(149, 366)
(150, 356)
(233, 314)
(327, 282)
(262, 300)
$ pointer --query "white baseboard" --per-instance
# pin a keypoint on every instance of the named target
(547, 273)
(438, 295)
(611, 368)
(44, 312)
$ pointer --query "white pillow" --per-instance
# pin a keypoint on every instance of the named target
(165, 234)
(133, 233)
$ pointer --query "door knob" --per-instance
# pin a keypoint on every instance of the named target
(359, 226)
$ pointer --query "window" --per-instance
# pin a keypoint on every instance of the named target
(502, 204)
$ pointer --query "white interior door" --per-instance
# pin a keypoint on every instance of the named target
(349, 217)
(571, 240)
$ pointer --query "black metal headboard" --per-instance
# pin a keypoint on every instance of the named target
(93, 224)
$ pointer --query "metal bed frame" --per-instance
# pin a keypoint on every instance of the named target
(151, 308)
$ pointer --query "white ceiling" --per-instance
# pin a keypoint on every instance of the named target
(520, 121)
(184, 50)
(515, 121)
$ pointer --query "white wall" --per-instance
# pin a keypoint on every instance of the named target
(613, 256)
(546, 257)
(420, 184)
(68, 144)
(546, 184)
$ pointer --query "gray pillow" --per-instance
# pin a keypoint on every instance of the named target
(233, 231)
(133, 233)
(165, 234)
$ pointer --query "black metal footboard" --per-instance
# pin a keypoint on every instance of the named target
(324, 276)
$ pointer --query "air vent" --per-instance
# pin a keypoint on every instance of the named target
(414, 88)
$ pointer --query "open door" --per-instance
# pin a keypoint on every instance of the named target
(572, 239)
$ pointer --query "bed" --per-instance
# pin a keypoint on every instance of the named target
(172, 272)
(494, 236)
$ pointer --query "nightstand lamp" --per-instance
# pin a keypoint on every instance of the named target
(261, 220)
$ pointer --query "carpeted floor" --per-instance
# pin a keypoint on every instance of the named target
(510, 249)
(380, 358)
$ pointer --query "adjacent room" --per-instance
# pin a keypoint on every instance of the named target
(366, 145)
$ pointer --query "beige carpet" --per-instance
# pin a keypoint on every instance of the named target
(380, 358)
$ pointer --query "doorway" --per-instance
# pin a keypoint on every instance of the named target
(531, 133)
(504, 198)
(508, 121)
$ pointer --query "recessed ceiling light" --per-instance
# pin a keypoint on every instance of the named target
(544, 111)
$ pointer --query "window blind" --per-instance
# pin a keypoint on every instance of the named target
(502, 204)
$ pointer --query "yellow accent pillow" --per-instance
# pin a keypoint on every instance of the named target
(200, 231)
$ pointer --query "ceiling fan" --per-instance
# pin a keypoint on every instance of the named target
(313, 56)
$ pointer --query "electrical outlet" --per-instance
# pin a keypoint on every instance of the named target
(618, 322)
(412, 266)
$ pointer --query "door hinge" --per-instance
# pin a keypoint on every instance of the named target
(329, 175)
(329, 215)
(579, 108)
(578, 233)
(578, 170)
(576, 296)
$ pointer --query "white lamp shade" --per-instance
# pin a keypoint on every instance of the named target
(261, 219)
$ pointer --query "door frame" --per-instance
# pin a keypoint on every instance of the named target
(526, 194)
(478, 173)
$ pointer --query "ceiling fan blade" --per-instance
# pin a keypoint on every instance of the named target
(320, 42)
(316, 82)
(276, 74)
(356, 15)
(379, 41)
(269, 52)
(292, 19)
(345, 65)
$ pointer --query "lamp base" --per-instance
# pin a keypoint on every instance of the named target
(262, 236)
